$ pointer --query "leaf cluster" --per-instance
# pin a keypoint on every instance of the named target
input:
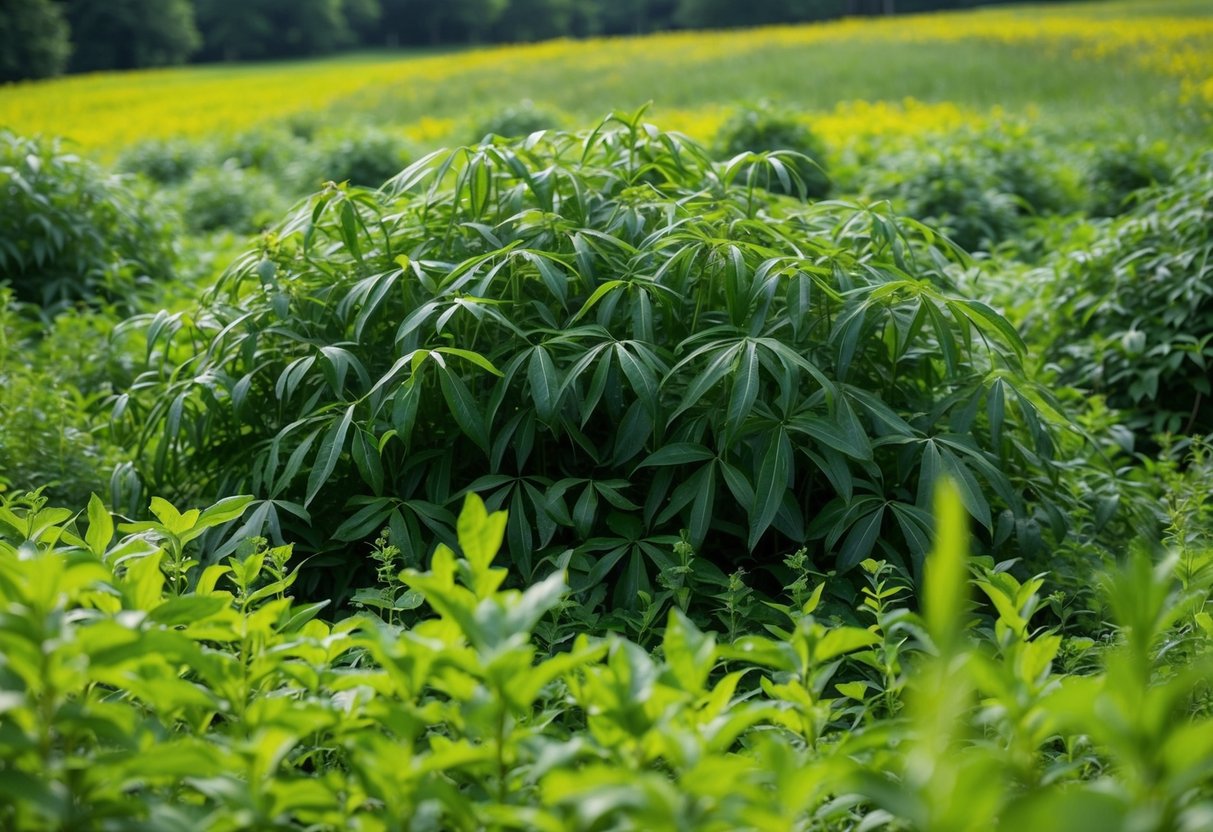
(1126, 309)
(142, 690)
(616, 338)
(70, 232)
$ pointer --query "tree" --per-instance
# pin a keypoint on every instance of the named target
(234, 30)
(531, 20)
(726, 13)
(244, 29)
(309, 27)
(634, 17)
(33, 40)
(363, 19)
(127, 34)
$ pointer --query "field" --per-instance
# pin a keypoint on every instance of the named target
(794, 428)
(1118, 68)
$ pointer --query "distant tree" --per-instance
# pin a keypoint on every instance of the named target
(728, 13)
(33, 40)
(634, 17)
(309, 27)
(244, 29)
(234, 30)
(531, 20)
(126, 34)
(363, 19)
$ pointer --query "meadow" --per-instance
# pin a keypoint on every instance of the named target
(796, 428)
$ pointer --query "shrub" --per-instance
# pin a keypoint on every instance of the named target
(367, 156)
(979, 191)
(1123, 169)
(166, 162)
(516, 121)
(764, 130)
(142, 689)
(52, 380)
(70, 232)
(613, 338)
(1126, 309)
(271, 151)
(230, 198)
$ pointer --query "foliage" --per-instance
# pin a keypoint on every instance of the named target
(262, 715)
(1124, 306)
(978, 66)
(70, 232)
(612, 337)
(979, 190)
(273, 29)
(128, 34)
(516, 121)
(33, 40)
(231, 198)
(51, 381)
(765, 129)
(1123, 169)
(365, 156)
(165, 162)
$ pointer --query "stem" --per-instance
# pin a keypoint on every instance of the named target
(502, 769)
(1195, 409)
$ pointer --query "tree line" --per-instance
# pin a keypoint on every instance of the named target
(40, 38)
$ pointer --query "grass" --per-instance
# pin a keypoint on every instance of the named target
(1077, 66)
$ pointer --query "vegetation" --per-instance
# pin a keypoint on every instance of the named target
(126, 34)
(706, 358)
(33, 40)
(69, 232)
(400, 445)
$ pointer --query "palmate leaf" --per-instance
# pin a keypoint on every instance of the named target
(556, 317)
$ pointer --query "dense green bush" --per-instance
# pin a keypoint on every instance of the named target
(269, 150)
(764, 129)
(143, 690)
(229, 197)
(70, 232)
(1123, 169)
(52, 381)
(612, 337)
(978, 190)
(1125, 307)
(516, 121)
(365, 156)
(164, 161)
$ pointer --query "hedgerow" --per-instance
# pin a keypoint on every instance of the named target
(616, 338)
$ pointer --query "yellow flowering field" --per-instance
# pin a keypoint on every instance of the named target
(432, 96)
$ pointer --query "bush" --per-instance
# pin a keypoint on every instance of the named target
(229, 198)
(166, 162)
(765, 130)
(52, 382)
(142, 689)
(70, 232)
(516, 121)
(274, 152)
(616, 347)
(1122, 170)
(1126, 309)
(980, 191)
(367, 156)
